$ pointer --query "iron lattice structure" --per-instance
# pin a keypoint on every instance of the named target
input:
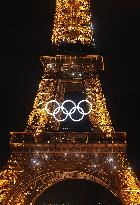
(43, 155)
(72, 22)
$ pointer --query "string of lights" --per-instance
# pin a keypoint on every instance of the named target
(39, 120)
(72, 22)
(34, 165)
(130, 186)
(110, 170)
(99, 116)
(42, 170)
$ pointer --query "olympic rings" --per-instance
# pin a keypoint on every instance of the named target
(65, 111)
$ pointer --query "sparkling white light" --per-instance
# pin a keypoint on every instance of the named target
(61, 108)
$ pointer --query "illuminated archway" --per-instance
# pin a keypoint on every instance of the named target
(77, 191)
(61, 177)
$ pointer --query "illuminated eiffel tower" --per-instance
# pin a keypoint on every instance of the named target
(52, 148)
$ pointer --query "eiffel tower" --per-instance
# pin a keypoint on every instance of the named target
(57, 144)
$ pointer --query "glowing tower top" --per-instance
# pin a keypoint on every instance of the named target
(72, 22)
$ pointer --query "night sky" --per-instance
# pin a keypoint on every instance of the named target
(26, 32)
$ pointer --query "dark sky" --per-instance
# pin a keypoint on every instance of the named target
(26, 31)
